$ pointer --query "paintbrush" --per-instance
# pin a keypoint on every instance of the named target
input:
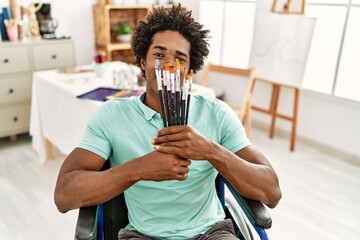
(177, 91)
(160, 91)
(183, 99)
(168, 92)
(173, 99)
(189, 97)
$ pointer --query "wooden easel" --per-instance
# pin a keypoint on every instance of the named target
(288, 7)
(273, 109)
(276, 87)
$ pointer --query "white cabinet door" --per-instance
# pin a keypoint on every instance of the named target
(15, 89)
(14, 58)
(49, 56)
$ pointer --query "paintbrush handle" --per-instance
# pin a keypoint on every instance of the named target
(170, 120)
(178, 101)
(162, 108)
(187, 109)
(183, 105)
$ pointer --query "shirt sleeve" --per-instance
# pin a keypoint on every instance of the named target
(96, 134)
(232, 133)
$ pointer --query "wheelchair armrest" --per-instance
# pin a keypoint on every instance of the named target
(254, 210)
(86, 226)
(261, 215)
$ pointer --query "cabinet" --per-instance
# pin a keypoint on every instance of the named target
(17, 62)
(106, 18)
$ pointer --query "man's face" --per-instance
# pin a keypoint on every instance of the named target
(166, 46)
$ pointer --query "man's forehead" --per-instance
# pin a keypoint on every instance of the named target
(170, 40)
(172, 45)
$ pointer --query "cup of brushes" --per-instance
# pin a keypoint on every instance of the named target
(100, 64)
(174, 98)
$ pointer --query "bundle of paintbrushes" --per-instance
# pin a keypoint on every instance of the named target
(174, 99)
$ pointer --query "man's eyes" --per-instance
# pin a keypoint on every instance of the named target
(158, 54)
(182, 59)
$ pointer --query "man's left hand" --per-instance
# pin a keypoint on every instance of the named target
(183, 141)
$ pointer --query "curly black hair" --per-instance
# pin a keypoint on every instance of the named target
(175, 19)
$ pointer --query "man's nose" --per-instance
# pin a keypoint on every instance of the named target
(170, 60)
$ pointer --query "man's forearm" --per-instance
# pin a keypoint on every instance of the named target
(253, 177)
(80, 188)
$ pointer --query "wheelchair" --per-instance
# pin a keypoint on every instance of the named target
(103, 222)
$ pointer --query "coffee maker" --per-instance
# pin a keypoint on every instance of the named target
(47, 24)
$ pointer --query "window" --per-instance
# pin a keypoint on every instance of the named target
(325, 47)
(335, 51)
(231, 30)
(215, 24)
(348, 80)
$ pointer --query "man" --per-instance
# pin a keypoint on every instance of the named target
(166, 174)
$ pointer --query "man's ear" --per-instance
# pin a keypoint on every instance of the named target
(142, 64)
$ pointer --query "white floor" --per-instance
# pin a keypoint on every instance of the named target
(320, 194)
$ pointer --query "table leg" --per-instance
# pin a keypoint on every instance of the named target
(49, 149)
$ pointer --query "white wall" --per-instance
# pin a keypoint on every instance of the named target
(324, 119)
(76, 20)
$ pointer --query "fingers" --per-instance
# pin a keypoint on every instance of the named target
(183, 177)
(173, 130)
(184, 174)
(167, 138)
(167, 149)
(185, 163)
(175, 134)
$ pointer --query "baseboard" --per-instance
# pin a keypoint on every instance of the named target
(335, 152)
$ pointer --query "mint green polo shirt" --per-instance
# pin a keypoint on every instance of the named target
(122, 129)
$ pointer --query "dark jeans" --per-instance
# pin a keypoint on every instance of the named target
(223, 230)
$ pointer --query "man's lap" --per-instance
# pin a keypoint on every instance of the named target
(223, 230)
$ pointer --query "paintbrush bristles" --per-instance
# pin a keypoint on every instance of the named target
(175, 100)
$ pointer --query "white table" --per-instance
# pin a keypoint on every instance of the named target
(59, 118)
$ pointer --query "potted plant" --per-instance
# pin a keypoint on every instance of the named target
(123, 32)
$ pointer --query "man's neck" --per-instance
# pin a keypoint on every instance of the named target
(152, 100)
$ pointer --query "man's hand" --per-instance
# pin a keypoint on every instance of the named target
(157, 166)
(184, 142)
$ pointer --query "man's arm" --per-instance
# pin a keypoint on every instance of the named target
(81, 183)
(247, 170)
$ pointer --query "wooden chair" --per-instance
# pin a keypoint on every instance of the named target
(220, 75)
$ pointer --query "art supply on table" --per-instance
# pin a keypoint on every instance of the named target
(100, 69)
(104, 93)
(125, 93)
(100, 64)
(75, 70)
(100, 57)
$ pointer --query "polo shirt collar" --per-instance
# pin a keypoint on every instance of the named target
(147, 112)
